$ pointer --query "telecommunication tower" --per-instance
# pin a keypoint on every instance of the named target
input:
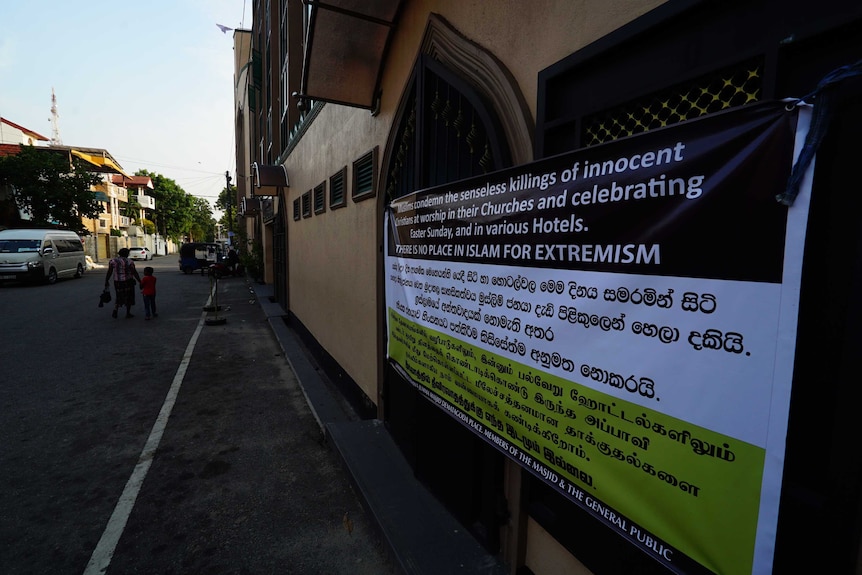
(55, 121)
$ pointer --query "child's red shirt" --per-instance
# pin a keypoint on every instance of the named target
(148, 285)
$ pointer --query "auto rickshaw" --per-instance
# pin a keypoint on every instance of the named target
(199, 256)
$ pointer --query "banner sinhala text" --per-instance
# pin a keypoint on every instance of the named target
(610, 320)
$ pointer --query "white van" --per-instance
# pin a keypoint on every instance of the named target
(40, 255)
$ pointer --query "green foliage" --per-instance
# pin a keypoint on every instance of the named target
(50, 188)
(172, 206)
(177, 215)
(55, 191)
(149, 226)
(227, 203)
(203, 226)
(133, 208)
(250, 254)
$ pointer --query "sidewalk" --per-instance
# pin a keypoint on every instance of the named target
(421, 535)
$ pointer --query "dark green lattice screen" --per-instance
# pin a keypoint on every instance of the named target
(726, 88)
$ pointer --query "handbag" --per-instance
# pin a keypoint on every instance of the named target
(105, 297)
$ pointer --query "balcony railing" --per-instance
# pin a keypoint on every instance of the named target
(146, 202)
(298, 129)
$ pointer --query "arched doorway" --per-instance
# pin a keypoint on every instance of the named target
(459, 117)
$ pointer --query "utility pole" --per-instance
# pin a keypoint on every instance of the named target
(229, 214)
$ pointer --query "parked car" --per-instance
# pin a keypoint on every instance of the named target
(140, 253)
(40, 255)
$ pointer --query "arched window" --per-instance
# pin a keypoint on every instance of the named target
(447, 133)
(461, 116)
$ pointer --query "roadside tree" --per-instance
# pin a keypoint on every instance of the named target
(174, 207)
(50, 188)
(227, 203)
(203, 225)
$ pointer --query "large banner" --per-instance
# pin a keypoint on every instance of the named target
(621, 321)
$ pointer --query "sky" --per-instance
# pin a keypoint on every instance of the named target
(149, 81)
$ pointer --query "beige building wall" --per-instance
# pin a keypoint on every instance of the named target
(546, 556)
(242, 118)
(334, 281)
(332, 257)
(243, 130)
(525, 36)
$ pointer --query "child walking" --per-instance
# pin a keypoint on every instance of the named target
(148, 293)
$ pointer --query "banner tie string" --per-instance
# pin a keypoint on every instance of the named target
(822, 98)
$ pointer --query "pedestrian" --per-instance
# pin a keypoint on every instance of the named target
(124, 273)
(232, 260)
(148, 293)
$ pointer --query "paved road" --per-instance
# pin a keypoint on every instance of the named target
(100, 472)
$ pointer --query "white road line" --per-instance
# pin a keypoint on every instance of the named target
(101, 558)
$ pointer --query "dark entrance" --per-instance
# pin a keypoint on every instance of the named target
(446, 132)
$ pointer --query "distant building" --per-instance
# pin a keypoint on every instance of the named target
(12, 137)
(12, 133)
(113, 197)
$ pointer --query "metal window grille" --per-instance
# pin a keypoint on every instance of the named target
(320, 198)
(296, 213)
(364, 175)
(726, 88)
(306, 204)
(336, 188)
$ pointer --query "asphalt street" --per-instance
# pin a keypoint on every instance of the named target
(179, 445)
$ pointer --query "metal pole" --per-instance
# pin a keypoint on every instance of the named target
(215, 307)
(229, 214)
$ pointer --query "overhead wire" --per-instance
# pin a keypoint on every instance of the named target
(192, 182)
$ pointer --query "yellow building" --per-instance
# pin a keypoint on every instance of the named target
(343, 107)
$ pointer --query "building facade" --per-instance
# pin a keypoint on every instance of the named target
(342, 109)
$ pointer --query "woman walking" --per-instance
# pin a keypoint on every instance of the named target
(124, 273)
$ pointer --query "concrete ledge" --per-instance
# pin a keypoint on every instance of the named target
(422, 536)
